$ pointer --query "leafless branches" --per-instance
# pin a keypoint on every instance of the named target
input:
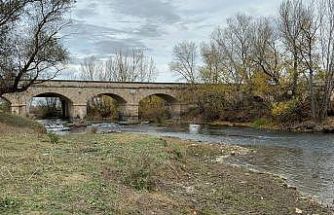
(124, 66)
(30, 46)
(185, 61)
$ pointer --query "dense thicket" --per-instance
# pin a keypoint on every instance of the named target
(283, 64)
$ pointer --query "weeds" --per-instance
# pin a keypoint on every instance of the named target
(262, 123)
(54, 139)
(140, 174)
(133, 174)
(8, 205)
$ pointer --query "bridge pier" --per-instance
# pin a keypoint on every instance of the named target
(130, 113)
(19, 109)
(176, 110)
(78, 111)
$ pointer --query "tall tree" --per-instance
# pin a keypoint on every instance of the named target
(36, 54)
(307, 46)
(326, 35)
(235, 42)
(290, 26)
(265, 54)
(91, 69)
(185, 61)
(130, 66)
(213, 57)
(123, 66)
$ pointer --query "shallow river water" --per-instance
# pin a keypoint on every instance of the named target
(306, 160)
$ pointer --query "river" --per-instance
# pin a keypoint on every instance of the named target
(306, 160)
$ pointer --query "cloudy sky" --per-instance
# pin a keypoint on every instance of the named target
(101, 26)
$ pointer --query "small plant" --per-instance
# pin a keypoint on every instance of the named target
(39, 129)
(94, 130)
(54, 139)
(140, 173)
(180, 155)
(8, 204)
(261, 123)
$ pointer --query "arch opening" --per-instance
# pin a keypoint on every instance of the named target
(5, 105)
(50, 106)
(157, 108)
(105, 107)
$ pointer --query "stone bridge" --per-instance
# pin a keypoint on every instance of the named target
(75, 95)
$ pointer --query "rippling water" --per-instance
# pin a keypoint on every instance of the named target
(306, 160)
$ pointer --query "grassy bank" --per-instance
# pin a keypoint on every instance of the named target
(10, 123)
(133, 174)
(303, 127)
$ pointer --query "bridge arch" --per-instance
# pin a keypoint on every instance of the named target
(104, 106)
(77, 94)
(169, 98)
(50, 101)
(117, 97)
(158, 106)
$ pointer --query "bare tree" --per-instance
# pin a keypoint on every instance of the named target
(265, 55)
(326, 36)
(213, 70)
(27, 57)
(130, 66)
(307, 46)
(91, 69)
(290, 26)
(123, 66)
(185, 61)
(235, 42)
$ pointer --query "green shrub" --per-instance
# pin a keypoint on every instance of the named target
(140, 173)
(8, 205)
(290, 111)
(212, 105)
(262, 123)
(4, 106)
(54, 139)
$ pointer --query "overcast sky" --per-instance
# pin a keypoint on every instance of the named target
(101, 26)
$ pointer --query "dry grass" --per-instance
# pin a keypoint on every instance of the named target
(132, 174)
(11, 124)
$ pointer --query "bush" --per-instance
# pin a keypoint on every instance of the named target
(103, 107)
(4, 106)
(18, 121)
(212, 106)
(227, 103)
(54, 139)
(140, 174)
(262, 123)
(8, 205)
(153, 109)
(290, 111)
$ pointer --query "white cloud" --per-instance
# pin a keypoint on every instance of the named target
(101, 26)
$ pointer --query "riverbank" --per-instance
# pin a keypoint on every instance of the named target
(302, 127)
(134, 174)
